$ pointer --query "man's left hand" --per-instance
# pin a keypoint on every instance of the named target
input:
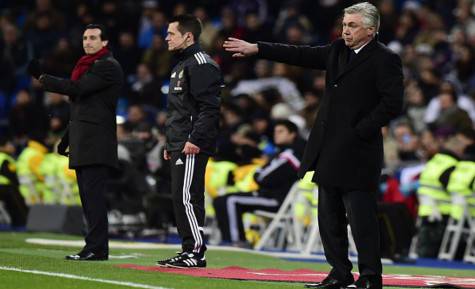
(190, 149)
(34, 68)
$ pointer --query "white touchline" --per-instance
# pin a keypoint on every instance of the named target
(70, 276)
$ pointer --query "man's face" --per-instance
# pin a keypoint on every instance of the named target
(91, 41)
(176, 41)
(282, 136)
(354, 33)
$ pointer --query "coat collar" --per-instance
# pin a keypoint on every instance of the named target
(189, 51)
(344, 67)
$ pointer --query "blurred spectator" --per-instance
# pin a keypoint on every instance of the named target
(43, 34)
(146, 90)
(26, 118)
(230, 26)
(111, 16)
(131, 149)
(464, 63)
(430, 145)
(209, 31)
(390, 146)
(180, 8)
(158, 58)
(16, 48)
(255, 29)
(310, 109)
(407, 28)
(62, 59)
(450, 117)
(274, 179)
(127, 53)
(84, 17)
(286, 88)
(45, 7)
(415, 108)
(135, 116)
(389, 19)
(291, 16)
(464, 102)
(58, 111)
(407, 142)
(232, 117)
(153, 148)
(152, 22)
(243, 8)
(7, 72)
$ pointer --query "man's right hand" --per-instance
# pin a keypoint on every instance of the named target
(240, 48)
(166, 155)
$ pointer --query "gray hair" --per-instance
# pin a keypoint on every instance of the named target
(369, 13)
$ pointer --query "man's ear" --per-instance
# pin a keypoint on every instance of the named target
(371, 30)
(104, 43)
(191, 36)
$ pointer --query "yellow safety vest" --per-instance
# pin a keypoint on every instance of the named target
(459, 183)
(306, 206)
(430, 185)
(216, 176)
(48, 171)
(67, 178)
(28, 170)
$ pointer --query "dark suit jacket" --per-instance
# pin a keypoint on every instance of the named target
(345, 145)
(92, 129)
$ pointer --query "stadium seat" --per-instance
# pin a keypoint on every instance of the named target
(469, 255)
(288, 228)
(453, 233)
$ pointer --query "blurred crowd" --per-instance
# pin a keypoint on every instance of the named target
(435, 39)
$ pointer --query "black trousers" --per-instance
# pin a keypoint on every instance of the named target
(336, 208)
(188, 186)
(230, 209)
(91, 182)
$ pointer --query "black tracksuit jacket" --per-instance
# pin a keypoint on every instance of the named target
(193, 101)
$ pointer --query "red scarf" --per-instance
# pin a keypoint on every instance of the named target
(85, 62)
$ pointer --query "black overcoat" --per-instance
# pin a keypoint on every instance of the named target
(345, 144)
(91, 131)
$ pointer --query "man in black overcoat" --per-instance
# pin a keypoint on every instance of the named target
(364, 91)
(93, 90)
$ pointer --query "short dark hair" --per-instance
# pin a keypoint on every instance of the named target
(188, 23)
(104, 36)
(290, 126)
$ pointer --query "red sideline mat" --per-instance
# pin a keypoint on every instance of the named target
(303, 275)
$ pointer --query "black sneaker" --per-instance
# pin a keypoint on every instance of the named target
(188, 260)
(88, 256)
(163, 263)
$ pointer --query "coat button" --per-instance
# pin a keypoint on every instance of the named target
(335, 85)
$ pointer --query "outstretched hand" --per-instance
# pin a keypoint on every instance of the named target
(240, 48)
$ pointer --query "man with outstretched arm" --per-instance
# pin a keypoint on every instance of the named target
(364, 91)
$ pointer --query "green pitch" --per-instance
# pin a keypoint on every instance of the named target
(35, 261)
